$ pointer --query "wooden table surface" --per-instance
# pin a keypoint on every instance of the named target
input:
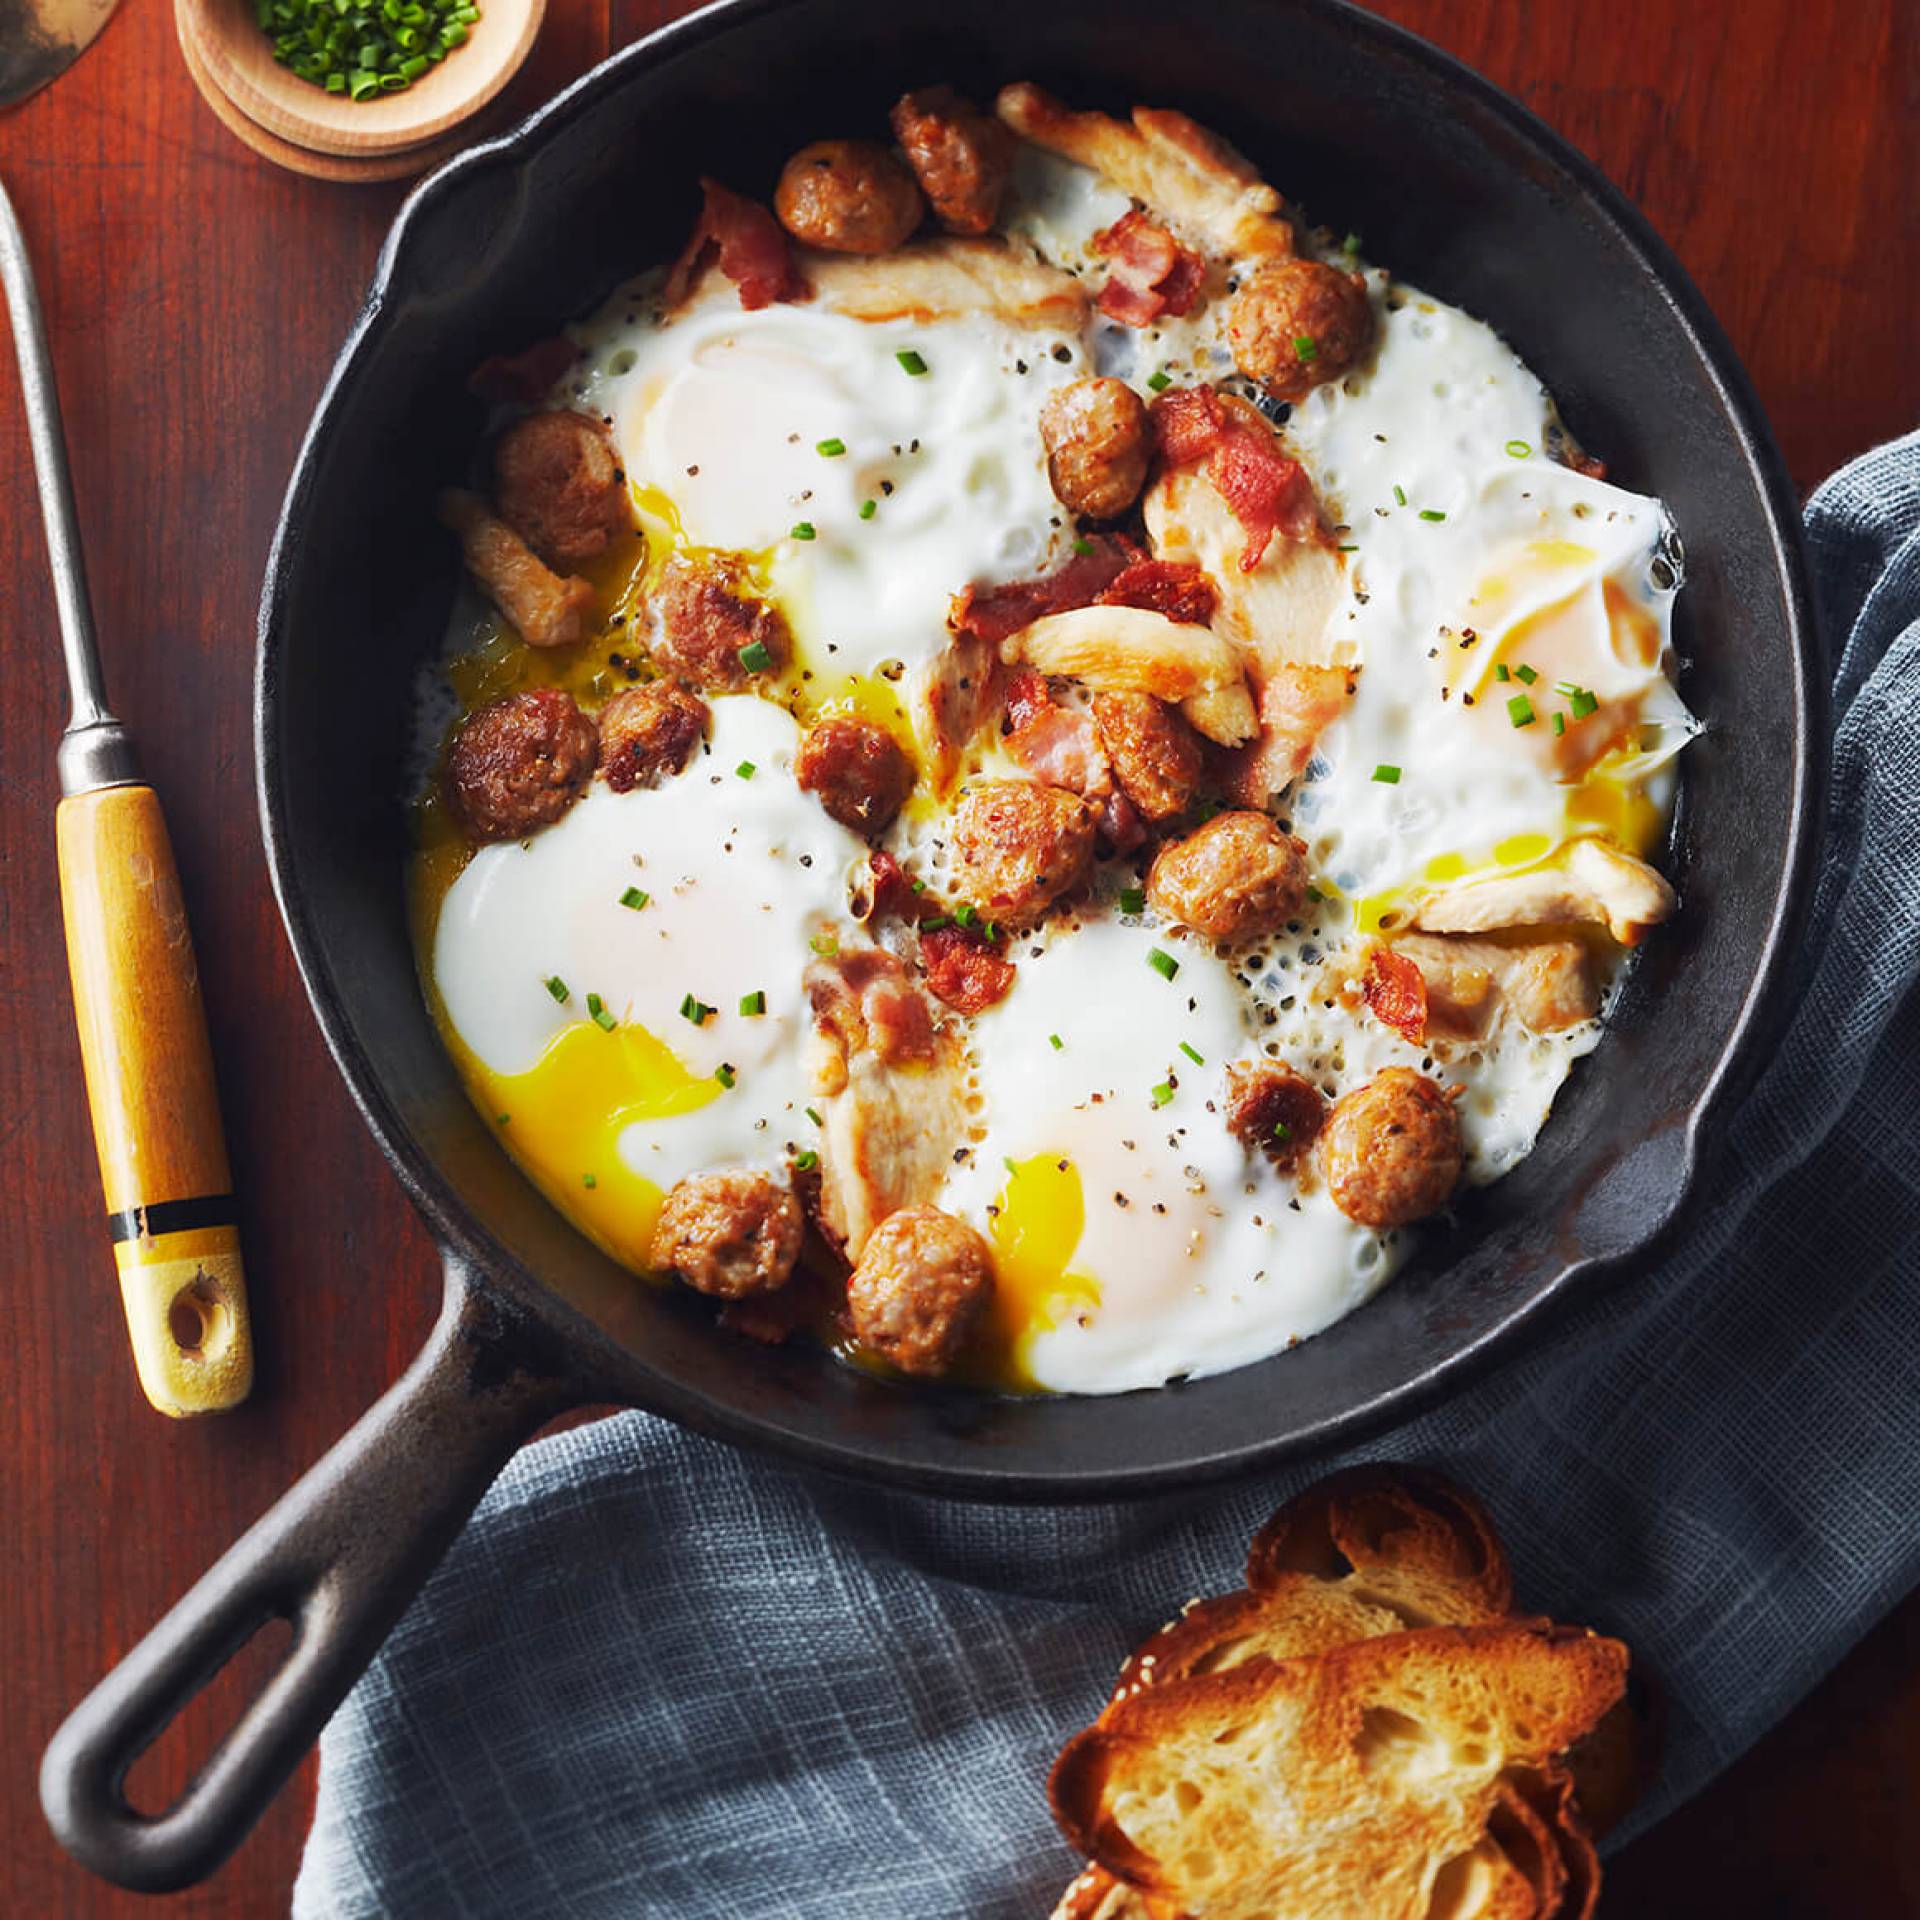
(196, 297)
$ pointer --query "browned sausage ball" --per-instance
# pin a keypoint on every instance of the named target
(961, 156)
(1391, 1149)
(1097, 441)
(1019, 846)
(860, 772)
(709, 618)
(519, 764)
(1156, 756)
(848, 196)
(558, 485)
(922, 1283)
(648, 732)
(728, 1234)
(1296, 323)
(1235, 878)
(1273, 1110)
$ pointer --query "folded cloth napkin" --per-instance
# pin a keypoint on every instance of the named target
(656, 1676)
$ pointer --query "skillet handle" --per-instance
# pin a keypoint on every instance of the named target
(339, 1556)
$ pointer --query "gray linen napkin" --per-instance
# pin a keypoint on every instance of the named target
(657, 1677)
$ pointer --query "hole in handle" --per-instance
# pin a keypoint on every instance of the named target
(200, 1319)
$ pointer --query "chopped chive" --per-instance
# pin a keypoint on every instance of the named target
(1387, 774)
(634, 898)
(868, 508)
(1281, 1131)
(1581, 702)
(1431, 513)
(1315, 895)
(587, 1180)
(936, 922)
(1162, 962)
(1055, 1042)
(1520, 710)
(825, 945)
(1159, 380)
(1199, 1060)
(1083, 546)
(1351, 244)
(755, 657)
(911, 362)
(695, 1010)
(501, 1119)
(802, 530)
(604, 1020)
(746, 769)
(1502, 672)
(814, 1117)
(1400, 496)
(805, 1160)
(831, 449)
(1163, 1093)
(1525, 675)
(1559, 724)
(1133, 899)
(559, 989)
(752, 1003)
(964, 915)
(1353, 549)
(724, 1074)
(1519, 449)
(1305, 347)
(1007, 1161)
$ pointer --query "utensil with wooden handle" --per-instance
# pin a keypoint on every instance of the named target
(136, 988)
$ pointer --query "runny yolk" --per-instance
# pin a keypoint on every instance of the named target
(562, 1119)
(1036, 1229)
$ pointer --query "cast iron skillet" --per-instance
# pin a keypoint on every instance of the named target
(1456, 187)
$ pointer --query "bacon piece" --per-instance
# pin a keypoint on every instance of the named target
(1267, 492)
(997, 612)
(1397, 994)
(894, 892)
(1153, 274)
(749, 244)
(519, 379)
(964, 969)
(1177, 588)
(1297, 704)
(1058, 746)
(1027, 697)
(867, 1003)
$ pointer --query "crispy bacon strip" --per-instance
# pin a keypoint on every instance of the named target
(1152, 274)
(519, 379)
(1177, 588)
(964, 969)
(1027, 697)
(995, 613)
(749, 244)
(1397, 994)
(1267, 492)
(894, 892)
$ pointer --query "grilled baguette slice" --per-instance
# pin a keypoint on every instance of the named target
(1343, 1786)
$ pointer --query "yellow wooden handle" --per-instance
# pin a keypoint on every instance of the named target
(156, 1114)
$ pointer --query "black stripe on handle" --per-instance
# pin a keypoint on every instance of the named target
(173, 1216)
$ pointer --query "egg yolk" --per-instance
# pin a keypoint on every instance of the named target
(1036, 1228)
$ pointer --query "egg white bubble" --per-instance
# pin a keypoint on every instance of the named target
(741, 875)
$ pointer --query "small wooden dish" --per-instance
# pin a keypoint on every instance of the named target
(226, 42)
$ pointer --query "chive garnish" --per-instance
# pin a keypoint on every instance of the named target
(1351, 244)
(1520, 710)
(830, 449)
(1133, 899)
(802, 530)
(755, 657)
(1055, 1042)
(1519, 449)
(1431, 513)
(597, 1010)
(587, 1180)
(814, 1117)
(746, 769)
(911, 362)
(1159, 380)
(1387, 774)
(634, 898)
(1199, 1060)
(1163, 1093)
(1353, 549)
(1305, 347)
(1281, 1131)
(752, 1003)
(695, 1010)
(724, 1074)
(825, 945)
(1083, 546)
(559, 989)
(805, 1160)
(1525, 675)
(1559, 724)
(936, 922)
(1162, 962)
(1399, 496)
(868, 508)
(964, 915)
(1502, 672)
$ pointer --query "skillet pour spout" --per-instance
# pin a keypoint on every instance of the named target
(1463, 192)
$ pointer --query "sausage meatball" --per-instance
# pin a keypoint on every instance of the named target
(1233, 879)
(558, 485)
(1391, 1149)
(519, 764)
(1097, 440)
(847, 196)
(1273, 1110)
(1296, 323)
(728, 1234)
(1019, 846)
(648, 732)
(713, 628)
(961, 156)
(921, 1285)
(860, 772)
(1156, 756)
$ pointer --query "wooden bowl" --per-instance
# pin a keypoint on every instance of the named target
(227, 43)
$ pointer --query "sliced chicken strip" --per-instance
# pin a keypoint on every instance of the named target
(1191, 178)
(946, 279)
(952, 694)
(545, 608)
(1548, 985)
(890, 1093)
(1590, 881)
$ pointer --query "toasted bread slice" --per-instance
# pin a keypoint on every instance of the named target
(1335, 1787)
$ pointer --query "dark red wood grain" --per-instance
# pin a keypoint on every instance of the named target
(196, 297)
